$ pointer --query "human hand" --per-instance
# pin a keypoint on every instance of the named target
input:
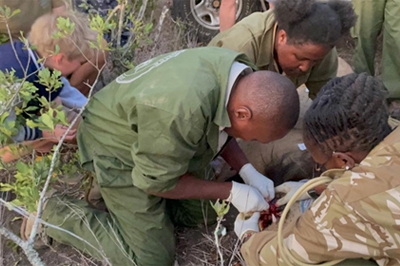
(246, 198)
(290, 188)
(253, 178)
(56, 134)
(244, 224)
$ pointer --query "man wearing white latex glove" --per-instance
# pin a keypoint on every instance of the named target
(255, 179)
(160, 146)
(247, 226)
(290, 188)
(246, 198)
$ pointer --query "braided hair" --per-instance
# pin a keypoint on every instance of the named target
(314, 21)
(349, 114)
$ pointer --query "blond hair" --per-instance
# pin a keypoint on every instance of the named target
(74, 45)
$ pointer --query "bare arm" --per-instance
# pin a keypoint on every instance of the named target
(227, 14)
(59, 10)
(234, 155)
(87, 73)
(190, 187)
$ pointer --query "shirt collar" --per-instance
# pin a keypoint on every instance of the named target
(237, 69)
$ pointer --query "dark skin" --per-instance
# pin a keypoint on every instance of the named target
(297, 59)
(190, 187)
(245, 125)
(332, 159)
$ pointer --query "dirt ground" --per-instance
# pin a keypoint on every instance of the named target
(195, 246)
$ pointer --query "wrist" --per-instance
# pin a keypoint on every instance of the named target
(246, 235)
(247, 171)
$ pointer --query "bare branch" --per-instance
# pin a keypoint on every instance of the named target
(29, 251)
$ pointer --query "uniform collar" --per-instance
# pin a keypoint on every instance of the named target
(236, 70)
(391, 139)
(221, 117)
(272, 57)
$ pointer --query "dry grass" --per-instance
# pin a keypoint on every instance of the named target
(195, 246)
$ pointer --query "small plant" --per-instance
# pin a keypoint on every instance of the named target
(221, 207)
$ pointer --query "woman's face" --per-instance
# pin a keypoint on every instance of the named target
(323, 160)
(297, 59)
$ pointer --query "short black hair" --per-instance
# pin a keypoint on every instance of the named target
(273, 95)
(349, 114)
(312, 21)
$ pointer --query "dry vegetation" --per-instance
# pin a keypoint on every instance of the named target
(196, 246)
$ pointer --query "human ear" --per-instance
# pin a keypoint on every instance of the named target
(243, 113)
(58, 58)
(281, 37)
(344, 160)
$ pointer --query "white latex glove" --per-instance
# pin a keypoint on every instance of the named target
(253, 178)
(246, 198)
(289, 188)
(243, 225)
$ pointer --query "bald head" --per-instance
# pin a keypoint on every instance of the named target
(270, 95)
(263, 106)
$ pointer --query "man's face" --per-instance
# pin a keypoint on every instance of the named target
(261, 132)
(295, 60)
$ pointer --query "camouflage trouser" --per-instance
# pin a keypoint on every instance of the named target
(138, 227)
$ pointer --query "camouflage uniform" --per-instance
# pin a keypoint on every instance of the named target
(358, 216)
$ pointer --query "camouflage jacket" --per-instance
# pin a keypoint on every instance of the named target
(358, 216)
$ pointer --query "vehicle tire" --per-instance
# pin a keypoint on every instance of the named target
(206, 26)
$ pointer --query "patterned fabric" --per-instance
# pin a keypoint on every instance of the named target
(358, 216)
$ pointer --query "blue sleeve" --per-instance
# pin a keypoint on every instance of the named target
(70, 96)
(24, 132)
(15, 56)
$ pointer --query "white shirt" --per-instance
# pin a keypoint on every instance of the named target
(237, 69)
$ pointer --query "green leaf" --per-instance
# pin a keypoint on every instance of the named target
(31, 124)
(57, 49)
(47, 120)
(4, 116)
(5, 187)
(22, 168)
(220, 207)
(61, 116)
(15, 12)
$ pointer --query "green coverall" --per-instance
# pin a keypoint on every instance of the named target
(374, 16)
(255, 37)
(142, 132)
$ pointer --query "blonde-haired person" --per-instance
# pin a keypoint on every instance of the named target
(44, 13)
(26, 62)
(76, 45)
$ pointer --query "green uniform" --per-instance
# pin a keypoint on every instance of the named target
(375, 16)
(30, 10)
(357, 216)
(255, 37)
(142, 132)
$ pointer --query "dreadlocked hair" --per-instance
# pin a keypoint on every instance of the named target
(349, 114)
(314, 21)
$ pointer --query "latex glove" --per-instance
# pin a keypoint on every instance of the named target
(242, 225)
(253, 178)
(290, 188)
(246, 198)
